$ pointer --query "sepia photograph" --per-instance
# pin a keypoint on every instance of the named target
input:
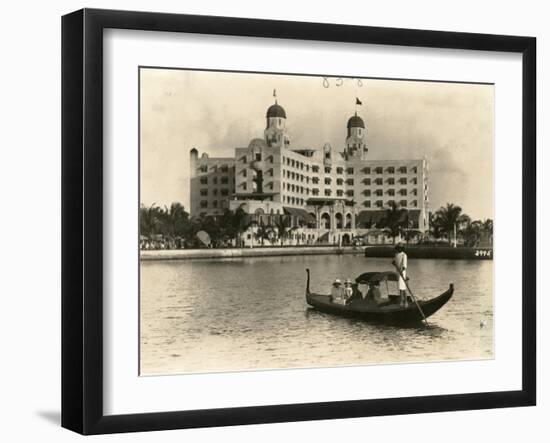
(303, 221)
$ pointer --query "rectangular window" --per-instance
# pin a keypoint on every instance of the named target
(204, 192)
(403, 169)
(339, 193)
(366, 203)
(349, 193)
(225, 192)
(350, 171)
(391, 181)
(203, 168)
(391, 192)
(339, 170)
(204, 180)
(403, 192)
(366, 170)
(391, 170)
(327, 181)
(327, 192)
(379, 181)
(258, 156)
(367, 192)
(350, 181)
(379, 170)
(224, 180)
(224, 168)
(215, 204)
(403, 181)
(327, 169)
(204, 204)
(367, 181)
(403, 203)
(379, 192)
(339, 181)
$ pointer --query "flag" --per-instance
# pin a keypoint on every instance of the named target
(357, 101)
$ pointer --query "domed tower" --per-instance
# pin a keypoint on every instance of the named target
(356, 145)
(275, 132)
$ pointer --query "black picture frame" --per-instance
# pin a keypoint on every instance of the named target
(82, 218)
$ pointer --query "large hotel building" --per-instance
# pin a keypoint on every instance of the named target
(331, 195)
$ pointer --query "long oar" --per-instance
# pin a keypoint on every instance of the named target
(412, 295)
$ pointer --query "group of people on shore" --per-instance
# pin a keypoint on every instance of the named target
(349, 291)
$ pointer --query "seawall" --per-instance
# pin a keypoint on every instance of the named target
(442, 252)
(187, 254)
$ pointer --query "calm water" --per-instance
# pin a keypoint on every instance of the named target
(222, 315)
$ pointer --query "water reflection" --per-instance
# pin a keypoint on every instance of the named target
(216, 315)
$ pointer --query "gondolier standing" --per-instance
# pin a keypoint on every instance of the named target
(400, 261)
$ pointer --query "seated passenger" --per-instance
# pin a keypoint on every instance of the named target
(348, 291)
(337, 292)
(373, 294)
(355, 294)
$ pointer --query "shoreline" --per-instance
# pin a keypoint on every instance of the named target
(188, 254)
(440, 252)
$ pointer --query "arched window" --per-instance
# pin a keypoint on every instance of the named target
(325, 221)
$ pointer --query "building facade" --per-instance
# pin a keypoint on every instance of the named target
(331, 194)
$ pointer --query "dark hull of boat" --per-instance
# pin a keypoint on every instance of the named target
(388, 313)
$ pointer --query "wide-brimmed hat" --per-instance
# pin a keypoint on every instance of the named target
(348, 281)
(337, 282)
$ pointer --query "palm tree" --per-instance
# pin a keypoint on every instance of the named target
(447, 218)
(282, 224)
(239, 223)
(471, 232)
(150, 220)
(176, 220)
(434, 230)
(487, 227)
(396, 220)
(263, 231)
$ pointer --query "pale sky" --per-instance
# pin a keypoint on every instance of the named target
(215, 112)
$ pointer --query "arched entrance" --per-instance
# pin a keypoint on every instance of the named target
(339, 220)
(325, 221)
(346, 239)
(348, 221)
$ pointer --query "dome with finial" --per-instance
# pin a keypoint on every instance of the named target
(276, 110)
(356, 122)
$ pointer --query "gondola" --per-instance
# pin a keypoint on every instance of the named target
(389, 311)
